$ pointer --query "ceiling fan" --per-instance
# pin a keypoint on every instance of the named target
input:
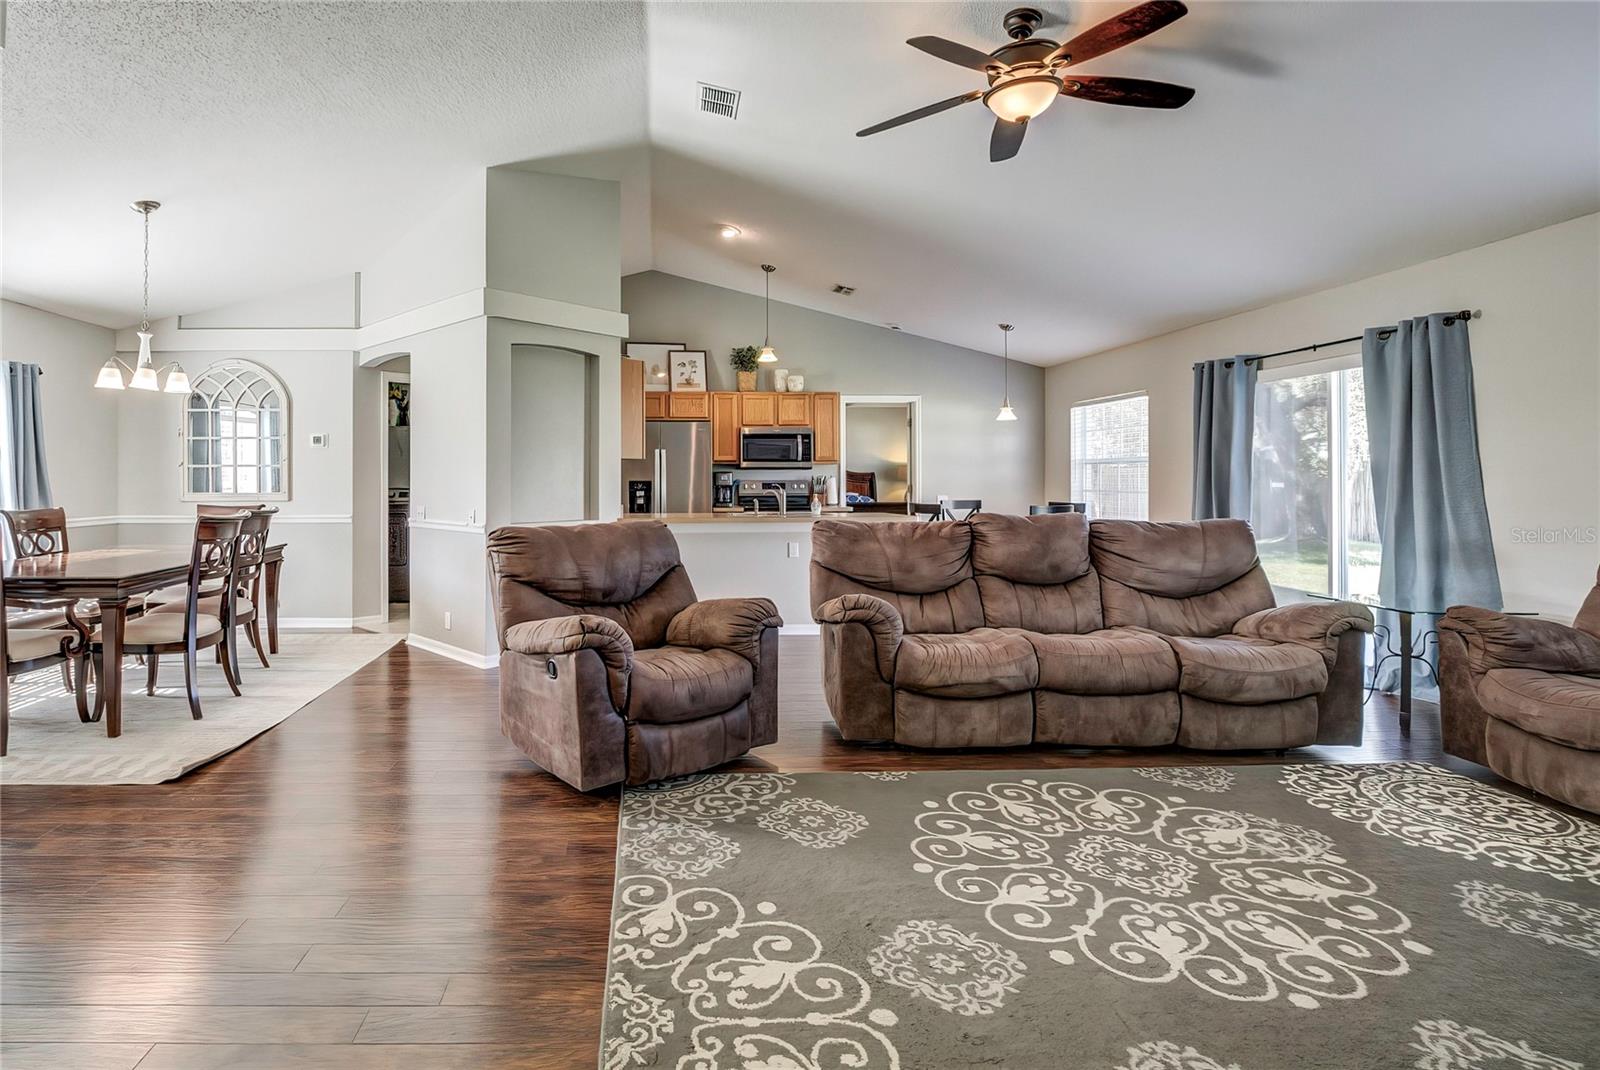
(1025, 76)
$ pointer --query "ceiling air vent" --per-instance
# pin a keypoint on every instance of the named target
(841, 288)
(719, 101)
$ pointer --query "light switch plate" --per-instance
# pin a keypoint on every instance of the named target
(794, 549)
(319, 440)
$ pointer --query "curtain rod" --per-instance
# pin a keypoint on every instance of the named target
(1464, 314)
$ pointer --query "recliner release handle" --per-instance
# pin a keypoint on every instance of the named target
(550, 667)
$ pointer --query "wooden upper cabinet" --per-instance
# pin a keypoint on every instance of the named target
(825, 425)
(686, 406)
(758, 410)
(725, 428)
(655, 406)
(794, 410)
(632, 409)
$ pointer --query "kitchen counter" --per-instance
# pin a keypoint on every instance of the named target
(798, 516)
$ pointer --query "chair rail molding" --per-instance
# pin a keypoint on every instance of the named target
(187, 520)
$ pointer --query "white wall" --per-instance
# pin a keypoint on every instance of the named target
(80, 423)
(550, 437)
(1536, 361)
(440, 256)
(555, 237)
(965, 453)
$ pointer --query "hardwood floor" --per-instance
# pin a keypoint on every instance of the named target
(381, 881)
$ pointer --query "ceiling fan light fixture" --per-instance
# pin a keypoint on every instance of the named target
(1019, 99)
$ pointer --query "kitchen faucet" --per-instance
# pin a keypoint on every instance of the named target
(783, 501)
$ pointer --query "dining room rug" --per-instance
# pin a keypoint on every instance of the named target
(159, 740)
(1177, 918)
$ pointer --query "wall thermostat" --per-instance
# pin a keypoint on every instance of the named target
(319, 440)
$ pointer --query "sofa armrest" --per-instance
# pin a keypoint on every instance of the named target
(564, 635)
(1314, 624)
(880, 618)
(1497, 641)
(734, 624)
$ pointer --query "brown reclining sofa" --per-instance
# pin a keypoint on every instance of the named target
(1005, 630)
(1522, 696)
(611, 670)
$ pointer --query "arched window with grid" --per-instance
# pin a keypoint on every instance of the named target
(236, 435)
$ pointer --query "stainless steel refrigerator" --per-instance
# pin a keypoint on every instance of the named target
(677, 464)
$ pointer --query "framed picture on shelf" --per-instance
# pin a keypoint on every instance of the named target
(688, 370)
(657, 368)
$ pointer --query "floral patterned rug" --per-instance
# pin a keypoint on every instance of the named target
(1173, 918)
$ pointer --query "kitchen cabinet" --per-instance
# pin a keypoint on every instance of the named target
(825, 428)
(794, 410)
(686, 406)
(633, 416)
(725, 428)
(655, 406)
(758, 410)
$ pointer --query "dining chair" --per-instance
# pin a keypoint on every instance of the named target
(211, 566)
(973, 506)
(1058, 507)
(26, 649)
(175, 595)
(249, 562)
(42, 533)
(930, 510)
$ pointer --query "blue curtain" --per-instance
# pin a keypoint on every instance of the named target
(27, 477)
(1224, 419)
(1422, 430)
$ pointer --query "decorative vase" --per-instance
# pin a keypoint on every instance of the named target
(747, 380)
(796, 383)
(780, 379)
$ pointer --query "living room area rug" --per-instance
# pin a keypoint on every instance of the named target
(1176, 918)
(159, 740)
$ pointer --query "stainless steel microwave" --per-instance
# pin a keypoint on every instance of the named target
(775, 447)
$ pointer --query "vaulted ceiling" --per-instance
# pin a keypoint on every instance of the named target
(294, 141)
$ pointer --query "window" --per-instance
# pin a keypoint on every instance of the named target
(236, 435)
(1311, 486)
(1111, 457)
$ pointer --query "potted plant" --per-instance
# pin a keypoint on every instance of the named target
(744, 362)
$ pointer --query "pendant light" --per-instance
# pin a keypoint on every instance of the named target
(1007, 413)
(114, 374)
(768, 355)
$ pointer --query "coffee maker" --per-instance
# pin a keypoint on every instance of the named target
(725, 492)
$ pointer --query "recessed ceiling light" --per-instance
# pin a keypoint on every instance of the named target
(729, 231)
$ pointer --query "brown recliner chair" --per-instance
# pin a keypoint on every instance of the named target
(1522, 696)
(1005, 630)
(611, 670)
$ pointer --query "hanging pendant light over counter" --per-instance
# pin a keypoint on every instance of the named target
(1007, 413)
(114, 374)
(768, 355)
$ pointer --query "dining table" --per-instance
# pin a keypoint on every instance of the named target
(113, 576)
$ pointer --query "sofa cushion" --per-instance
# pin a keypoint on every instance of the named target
(975, 664)
(1033, 572)
(1193, 578)
(628, 571)
(678, 683)
(1115, 661)
(1559, 707)
(1241, 671)
(923, 570)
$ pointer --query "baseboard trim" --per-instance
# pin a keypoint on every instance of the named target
(800, 629)
(376, 623)
(454, 653)
(316, 624)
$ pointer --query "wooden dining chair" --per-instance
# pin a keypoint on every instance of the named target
(211, 566)
(249, 563)
(26, 649)
(43, 533)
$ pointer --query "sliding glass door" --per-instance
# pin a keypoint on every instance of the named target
(1312, 505)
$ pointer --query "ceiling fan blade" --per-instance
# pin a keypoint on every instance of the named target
(1119, 30)
(1132, 92)
(1006, 139)
(951, 52)
(920, 113)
